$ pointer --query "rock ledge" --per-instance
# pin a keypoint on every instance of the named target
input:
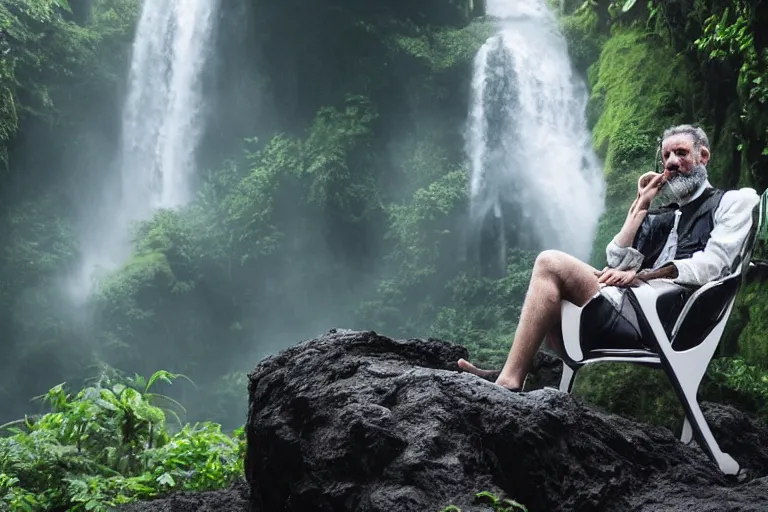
(354, 421)
(357, 421)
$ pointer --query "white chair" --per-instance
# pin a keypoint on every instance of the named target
(682, 344)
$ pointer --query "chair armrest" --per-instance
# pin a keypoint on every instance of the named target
(695, 296)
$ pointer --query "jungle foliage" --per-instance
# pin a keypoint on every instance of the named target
(111, 443)
(335, 195)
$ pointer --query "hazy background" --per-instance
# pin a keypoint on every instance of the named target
(198, 185)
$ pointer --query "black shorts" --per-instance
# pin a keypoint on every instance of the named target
(603, 325)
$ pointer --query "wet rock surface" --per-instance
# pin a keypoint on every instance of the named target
(234, 499)
(357, 421)
(354, 421)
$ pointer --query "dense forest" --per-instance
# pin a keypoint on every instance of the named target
(332, 192)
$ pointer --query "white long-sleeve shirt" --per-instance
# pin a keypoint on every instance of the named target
(732, 222)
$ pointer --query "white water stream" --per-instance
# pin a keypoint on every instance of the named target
(535, 178)
(161, 127)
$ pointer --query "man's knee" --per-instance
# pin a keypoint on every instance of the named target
(569, 271)
(550, 261)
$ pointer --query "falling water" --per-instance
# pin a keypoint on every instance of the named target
(536, 183)
(161, 124)
(160, 119)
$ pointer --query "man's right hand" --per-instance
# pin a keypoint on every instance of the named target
(648, 186)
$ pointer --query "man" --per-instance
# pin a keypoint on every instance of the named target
(692, 241)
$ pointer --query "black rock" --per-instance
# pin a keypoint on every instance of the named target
(354, 421)
(234, 499)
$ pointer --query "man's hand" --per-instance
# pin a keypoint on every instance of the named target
(613, 277)
(648, 186)
(624, 278)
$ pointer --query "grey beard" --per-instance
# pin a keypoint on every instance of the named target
(681, 187)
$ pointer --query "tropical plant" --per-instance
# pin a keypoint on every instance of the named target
(496, 503)
(107, 445)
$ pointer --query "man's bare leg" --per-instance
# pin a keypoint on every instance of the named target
(554, 340)
(556, 276)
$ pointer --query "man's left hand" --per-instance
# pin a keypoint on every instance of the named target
(621, 278)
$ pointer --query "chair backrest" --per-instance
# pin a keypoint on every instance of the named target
(760, 220)
(757, 232)
(762, 228)
(707, 307)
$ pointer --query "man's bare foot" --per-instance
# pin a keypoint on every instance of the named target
(489, 375)
(468, 367)
(509, 384)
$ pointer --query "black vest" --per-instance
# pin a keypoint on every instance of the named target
(693, 230)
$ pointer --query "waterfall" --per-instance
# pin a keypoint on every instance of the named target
(535, 181)
(160, 119)
(161, 126)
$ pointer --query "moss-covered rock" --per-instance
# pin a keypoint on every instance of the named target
(640, 93)
(636, 93)
(584, 40)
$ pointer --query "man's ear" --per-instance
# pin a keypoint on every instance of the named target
(704, 155)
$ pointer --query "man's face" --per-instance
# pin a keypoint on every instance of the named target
(679, 156)
(684, 167)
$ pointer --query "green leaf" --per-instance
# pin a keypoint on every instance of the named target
(628, 5)
(487, 497)
(166, 479)
(64, 4)
(513, 505)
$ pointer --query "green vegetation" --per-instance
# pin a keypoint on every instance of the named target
(497, 504)
(109, 444)
(333, 194)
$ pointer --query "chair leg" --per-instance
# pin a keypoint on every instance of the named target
(567, 378)
(701, 429)
(686, 377)
(685, 369)
(687, 436)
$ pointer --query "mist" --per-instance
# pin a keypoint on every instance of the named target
(326, 185)
(190, 187)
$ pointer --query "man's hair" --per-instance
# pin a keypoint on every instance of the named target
(699, 137)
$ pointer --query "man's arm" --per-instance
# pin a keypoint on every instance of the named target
(619, 253)
(668, 271)
(733, 220)
(635, 217)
